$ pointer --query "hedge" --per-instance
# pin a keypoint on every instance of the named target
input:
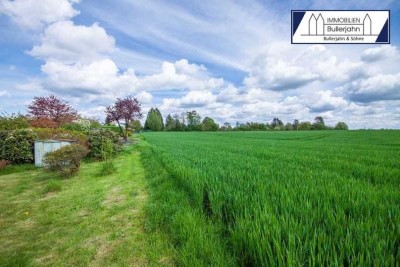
(17, 146)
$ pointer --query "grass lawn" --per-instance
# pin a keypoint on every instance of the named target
(86, 220)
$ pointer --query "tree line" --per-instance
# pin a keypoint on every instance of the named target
(53, 112)
(192, 121)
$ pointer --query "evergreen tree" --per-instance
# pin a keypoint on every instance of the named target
(154, 120)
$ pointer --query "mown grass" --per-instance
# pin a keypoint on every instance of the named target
(87, 220)
(277, 198)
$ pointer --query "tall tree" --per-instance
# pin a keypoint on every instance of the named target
(226, 127)
(209, 124)
(159, 116)
(179, 122)
(276, 122)
(154, 120)
(341, 126)
(170, 123)
(319, 119)
(318, 124)
(136, 125)
(193, 120)
(52, 108)
(124, 111)
(296, 124)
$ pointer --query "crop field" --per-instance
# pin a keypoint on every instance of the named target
(277, 198)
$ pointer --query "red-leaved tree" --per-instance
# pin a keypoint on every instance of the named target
(52, 108)
(123, 112)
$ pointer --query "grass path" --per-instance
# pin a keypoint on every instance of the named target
(87, 220)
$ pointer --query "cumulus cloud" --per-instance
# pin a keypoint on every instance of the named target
(104, 77)
(98, 77)
(324, 101)
(380, 53)
(282, 67)
(275, 69)
(63, 41)
(192, 99)
(180, 75)
(378, 87)
(33, 14)
(78, 62)
(144, 97)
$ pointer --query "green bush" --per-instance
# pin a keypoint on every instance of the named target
(73, 126)
(97, 140)
(112, 128)
(82, 125)
(17, 146)
(13, 122)
(66, 160)
(107, 156)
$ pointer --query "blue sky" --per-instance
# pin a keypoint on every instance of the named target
(231, 60)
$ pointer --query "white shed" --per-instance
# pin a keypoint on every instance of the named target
(42, 147)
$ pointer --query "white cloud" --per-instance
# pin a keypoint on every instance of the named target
(275, 68)
(192, 99)
(378, 87)
(102, 78)
(380, 53)
(34, 14)
(280, 67)
(220, 32)
(4, 93)
(95, 112)
(98, 77)
(144, 97)
(324, 101)
(180, 75)
(63, 41)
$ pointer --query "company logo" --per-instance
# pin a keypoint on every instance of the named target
(340, 27)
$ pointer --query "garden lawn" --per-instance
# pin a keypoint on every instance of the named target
(89, 219)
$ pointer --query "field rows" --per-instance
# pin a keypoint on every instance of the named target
(288, 198)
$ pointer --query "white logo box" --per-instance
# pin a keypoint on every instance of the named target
(340, 26)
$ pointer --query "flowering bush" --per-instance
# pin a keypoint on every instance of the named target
(66, 160)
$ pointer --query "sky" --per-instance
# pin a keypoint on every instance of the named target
(229, 60)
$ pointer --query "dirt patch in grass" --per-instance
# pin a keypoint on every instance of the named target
(115, 196)
(84, 213)
(26, 224)
(45, 260)
(102, 252)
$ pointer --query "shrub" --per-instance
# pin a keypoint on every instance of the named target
(66, 160)
(73, 126)
(106, 155)
(82, 124)
(97, 140)
(17, 146)
(46, 133)
(13, 122)
(112, 128)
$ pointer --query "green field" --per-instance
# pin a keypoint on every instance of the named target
(277, 198)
